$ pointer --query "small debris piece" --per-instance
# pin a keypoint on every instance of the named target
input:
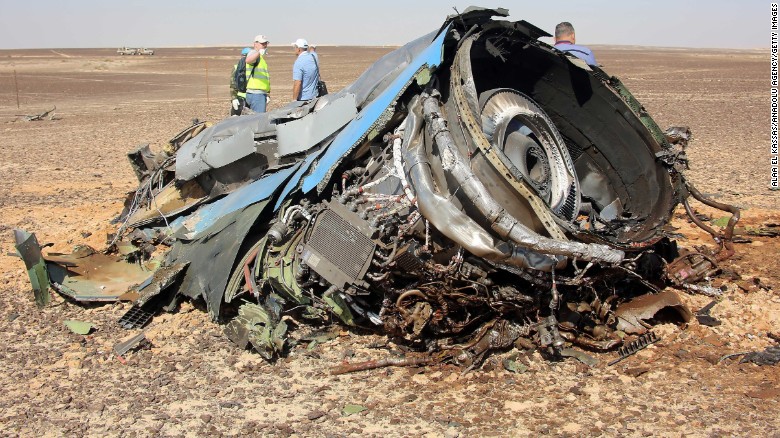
(514, 366)
(36, 117)
(730, 355)
(770, 356)
(129, 343)
(580, 356)
(634, 346)
(633, 314)
(704, 318)
(79, 327)
(691, 268)
(721, 221)
(135, 318)
(258, 325)
(381, 363)
(703, 289)
(350, 409)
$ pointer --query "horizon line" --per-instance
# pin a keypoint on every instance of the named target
(226, 46)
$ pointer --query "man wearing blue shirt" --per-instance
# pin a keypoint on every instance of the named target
(306, 73)
(565, 41)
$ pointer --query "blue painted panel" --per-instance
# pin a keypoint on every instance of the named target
(360, 125)
(296, 178)
(241, 198)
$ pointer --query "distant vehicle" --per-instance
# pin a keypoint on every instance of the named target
(126, 51)
(145, 51)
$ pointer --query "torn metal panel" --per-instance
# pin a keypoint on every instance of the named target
(205, 150)
(634, 316)
(204, 220)
(384, 71)
(213, 256)
(300, 135)
(189, 162)
(87, 275)
(29, 251)
(162, 279)
(219, 153)
(170, 201)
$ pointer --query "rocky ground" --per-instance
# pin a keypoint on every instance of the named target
(65, 179)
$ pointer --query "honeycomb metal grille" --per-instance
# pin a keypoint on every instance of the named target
(341, 243)
(567, 209)
(574, 149)
(407, 262)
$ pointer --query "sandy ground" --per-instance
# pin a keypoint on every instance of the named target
(65, 179)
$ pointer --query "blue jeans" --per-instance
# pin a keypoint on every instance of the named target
(256, 102)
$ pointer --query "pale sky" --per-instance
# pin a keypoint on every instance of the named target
(171, 23)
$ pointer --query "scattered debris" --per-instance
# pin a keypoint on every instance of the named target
(230, 404)
(131, 343)
(50, 115)
(703, 289)
(350, 409)
(704, 318)
(636, 371)
(769, 356)
(634, 346)
(29, 250)
(79, 327)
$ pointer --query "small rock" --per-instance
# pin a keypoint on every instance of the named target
(313, 415)
(206, 418)
(636, 371)
(451, 433)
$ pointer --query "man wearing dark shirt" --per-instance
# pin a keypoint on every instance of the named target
(565, 41)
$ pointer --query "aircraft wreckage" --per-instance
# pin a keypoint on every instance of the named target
(473, 189)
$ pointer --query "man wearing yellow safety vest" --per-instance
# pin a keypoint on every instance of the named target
(258, 86)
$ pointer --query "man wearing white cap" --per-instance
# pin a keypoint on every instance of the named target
(306, 72)
(258, 84)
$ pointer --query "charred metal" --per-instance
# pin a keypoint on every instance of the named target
(473, 190)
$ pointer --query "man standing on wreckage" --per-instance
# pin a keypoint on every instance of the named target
(471, 189)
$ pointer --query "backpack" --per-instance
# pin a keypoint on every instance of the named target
(240, 77)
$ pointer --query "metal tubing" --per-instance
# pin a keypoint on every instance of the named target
(502, 221)
(728, 232)
(450, 220)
